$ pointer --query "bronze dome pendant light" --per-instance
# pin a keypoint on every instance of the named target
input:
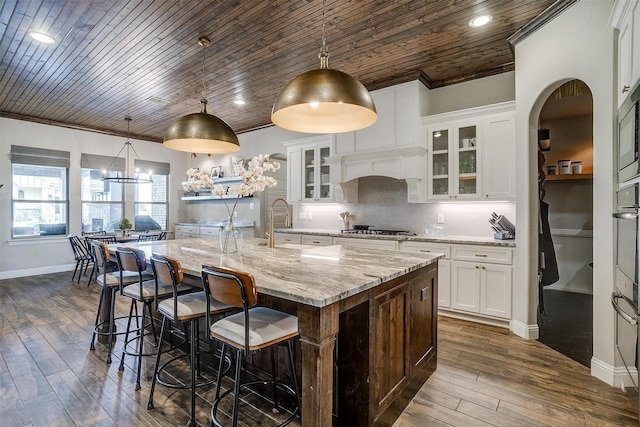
(324, 100)
(126, 179)
(201, 132)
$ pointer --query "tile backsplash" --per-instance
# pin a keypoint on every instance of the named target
(382, 203)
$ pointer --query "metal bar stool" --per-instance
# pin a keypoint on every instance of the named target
(146, 291)
(252, 329)
(186, 309)
(109, 285)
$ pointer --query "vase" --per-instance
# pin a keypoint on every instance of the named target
(230, 238)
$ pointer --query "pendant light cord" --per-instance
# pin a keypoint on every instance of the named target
(204, 42)
(203, 73)
(324, 53)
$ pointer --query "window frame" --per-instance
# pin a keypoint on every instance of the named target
(40, 158)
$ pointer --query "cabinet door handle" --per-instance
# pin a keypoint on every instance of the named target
(481, 255)
(317, 242)
(425, 250)
(625, 89)
(477, 266)
(483, 267)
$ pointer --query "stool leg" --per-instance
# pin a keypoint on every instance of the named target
(236, 392)
(157, 365)
(126, 335)
(273, 380)
(193, 344)
(112, 321)
(141, 346)
(95, 325)
(153, 326)
(293, 375)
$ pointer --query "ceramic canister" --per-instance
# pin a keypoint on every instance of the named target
(564, 166)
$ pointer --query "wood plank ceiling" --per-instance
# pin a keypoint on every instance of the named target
(114, 58)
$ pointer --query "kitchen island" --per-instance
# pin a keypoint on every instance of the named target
(367, 320)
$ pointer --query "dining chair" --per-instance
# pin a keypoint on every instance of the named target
(180, 310)
(82, 255)
(145, 290)
(109, 284)
(106, 239)
(251, 330)
(148, 237)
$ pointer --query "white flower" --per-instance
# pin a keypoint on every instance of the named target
(253, 179)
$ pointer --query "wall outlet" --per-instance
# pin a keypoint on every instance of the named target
(251, 205)
(309, 216)
(302, 215)
(440, 218)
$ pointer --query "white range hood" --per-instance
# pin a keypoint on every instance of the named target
(408, 163)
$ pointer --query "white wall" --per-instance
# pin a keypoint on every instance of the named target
(578, 44)
(35, 256)
(474, 93)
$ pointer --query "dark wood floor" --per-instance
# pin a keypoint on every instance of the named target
(485, 375)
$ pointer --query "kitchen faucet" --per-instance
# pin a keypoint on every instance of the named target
(287, 221)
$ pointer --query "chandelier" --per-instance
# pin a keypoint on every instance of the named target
(125, 178)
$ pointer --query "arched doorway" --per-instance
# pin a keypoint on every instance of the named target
(565, 175)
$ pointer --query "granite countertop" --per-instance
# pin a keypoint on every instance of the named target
(461, 240)
(312, 275)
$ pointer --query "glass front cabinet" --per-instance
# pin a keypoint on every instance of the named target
(453, 161)
(317, 186)
(308, 170)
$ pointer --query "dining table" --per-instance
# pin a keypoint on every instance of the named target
(367, 318)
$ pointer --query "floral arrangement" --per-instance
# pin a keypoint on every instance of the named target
(253, 180)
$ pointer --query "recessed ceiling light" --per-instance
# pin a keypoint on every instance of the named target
(480, 20)
(239, 101)
(42, 37)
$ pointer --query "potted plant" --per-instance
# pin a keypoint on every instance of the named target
(125, 226)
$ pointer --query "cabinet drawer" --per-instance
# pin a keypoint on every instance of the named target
(180, 235)
(426, 247)
(317, 240)
(209, 231)
(288, 238)
(187, 229)
(365, 243)
(482, 254)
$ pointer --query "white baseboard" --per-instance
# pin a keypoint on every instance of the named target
(528, 332)
(616, 376)
(502, 323)
(36, 271)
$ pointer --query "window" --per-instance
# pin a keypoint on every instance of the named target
(40, 192)
(102, 201)
(151, 199)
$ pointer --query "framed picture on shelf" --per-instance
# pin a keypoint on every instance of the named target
(215, 171)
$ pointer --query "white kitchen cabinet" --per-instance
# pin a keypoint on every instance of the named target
(308, 170)
(366, 243)
(625, 16)
(444, 266)
(453, 160)
(471, 154)
(498, 178)
(399, 110)
(482, 280)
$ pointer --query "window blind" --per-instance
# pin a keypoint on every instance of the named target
(39, 156)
